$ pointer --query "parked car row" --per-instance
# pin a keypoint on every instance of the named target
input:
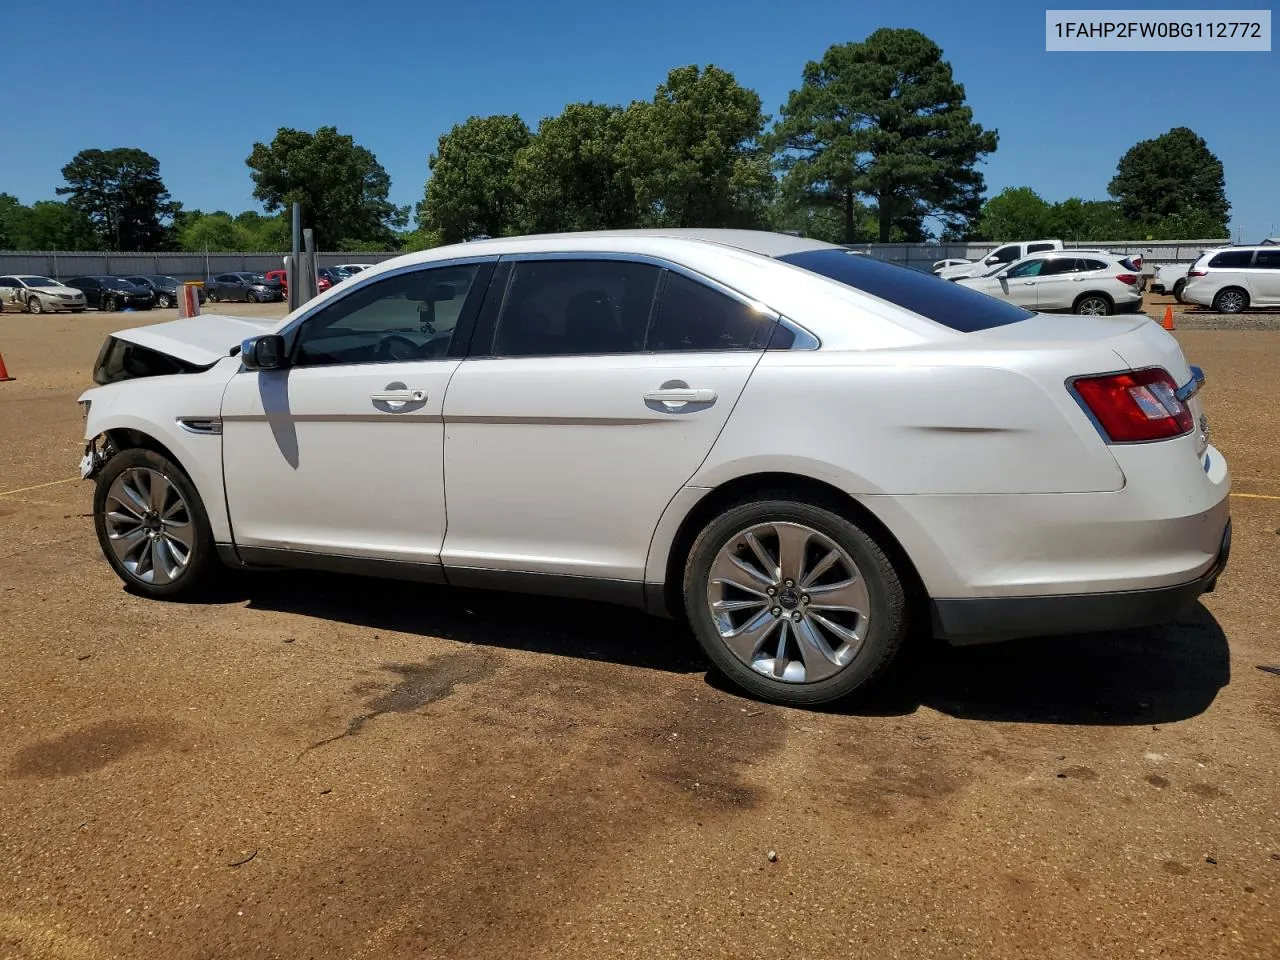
(37, 294)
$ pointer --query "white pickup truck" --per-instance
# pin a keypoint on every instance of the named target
(1001, 256)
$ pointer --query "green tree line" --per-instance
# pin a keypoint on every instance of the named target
(877, 142)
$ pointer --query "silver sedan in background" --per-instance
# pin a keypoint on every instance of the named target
(40, 294)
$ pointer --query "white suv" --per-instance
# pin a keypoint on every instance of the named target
(1090, 282)
(1233, 279)
(803, 452)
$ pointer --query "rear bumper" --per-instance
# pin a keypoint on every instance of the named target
(988, 619)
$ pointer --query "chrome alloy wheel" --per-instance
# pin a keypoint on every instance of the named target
(789, 602)
(149, 526)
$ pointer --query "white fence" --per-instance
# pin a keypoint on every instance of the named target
(199, 266)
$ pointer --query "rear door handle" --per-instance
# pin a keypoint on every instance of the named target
(682, 396)
(399, 396)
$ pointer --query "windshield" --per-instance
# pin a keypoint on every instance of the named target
(941, 301)
(39, 282)
(164, 281)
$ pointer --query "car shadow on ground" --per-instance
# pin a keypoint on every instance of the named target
(1132, 677)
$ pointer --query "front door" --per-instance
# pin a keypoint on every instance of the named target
(1264, 277)
(1019, 283)
(341, 452)
(606, 386)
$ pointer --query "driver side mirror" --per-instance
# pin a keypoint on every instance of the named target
(264, 353)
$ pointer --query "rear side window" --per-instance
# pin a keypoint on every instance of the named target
(1268, 259)
(1099, 265)
(942, 301)
(692, 316)
(557, 308)
(1232, 258)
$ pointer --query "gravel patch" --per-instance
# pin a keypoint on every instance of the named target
(1221, 321)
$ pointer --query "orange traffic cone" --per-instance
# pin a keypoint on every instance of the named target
(1167, 322)
(4, 374)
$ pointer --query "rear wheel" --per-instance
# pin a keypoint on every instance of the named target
(793, 602)
(212, 296)
(152, 526)
(1093, 305)
(1231, 300)
(34, 305)
(1178, 287)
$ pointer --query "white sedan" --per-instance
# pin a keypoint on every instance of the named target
(1089, 282)
(799, 451)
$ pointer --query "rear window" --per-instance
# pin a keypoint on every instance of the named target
(941, 301)
(1232, 258)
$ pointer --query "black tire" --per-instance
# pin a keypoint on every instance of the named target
(163, 300)
(34, 305)
(77, 309)
(212, 296)
(203, 568)
(1231, 300)
(888, 608)
(251, 297)
(1093, 304)
(108, 305)
(1178, 287)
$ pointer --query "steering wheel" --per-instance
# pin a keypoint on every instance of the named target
(396, 347)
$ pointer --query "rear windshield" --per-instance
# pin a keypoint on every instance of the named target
(941, 301)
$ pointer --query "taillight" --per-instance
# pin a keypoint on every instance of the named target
(1128, 278)
(1136, 406)
(1197, 273)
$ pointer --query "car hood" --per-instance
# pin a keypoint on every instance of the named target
(201, 340)
(72, 291)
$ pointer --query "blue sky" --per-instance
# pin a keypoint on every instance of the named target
(197, 84)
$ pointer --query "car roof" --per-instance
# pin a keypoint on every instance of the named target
(762, 242)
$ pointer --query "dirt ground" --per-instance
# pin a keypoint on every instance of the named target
(320, 766)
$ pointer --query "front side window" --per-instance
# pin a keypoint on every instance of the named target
(575, 307)
(1038, 247)
(410, 316)
(1268, 259)
(1232, 258)
(9, 282)
(1031, 268)
(1004, 255)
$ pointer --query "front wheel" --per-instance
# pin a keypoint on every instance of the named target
(793, 602)
(108, 304)
(1093, 305)
(212, 296)
(152, 526)
(34, 305)
(164, 300)
(251, 297)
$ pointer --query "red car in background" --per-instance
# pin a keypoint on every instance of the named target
(322, 283)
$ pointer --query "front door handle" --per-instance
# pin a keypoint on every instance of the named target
(1028, 283)
(682, 396)
(399, 396)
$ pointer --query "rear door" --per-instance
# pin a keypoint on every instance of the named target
(1264, 277)
(598, 387)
